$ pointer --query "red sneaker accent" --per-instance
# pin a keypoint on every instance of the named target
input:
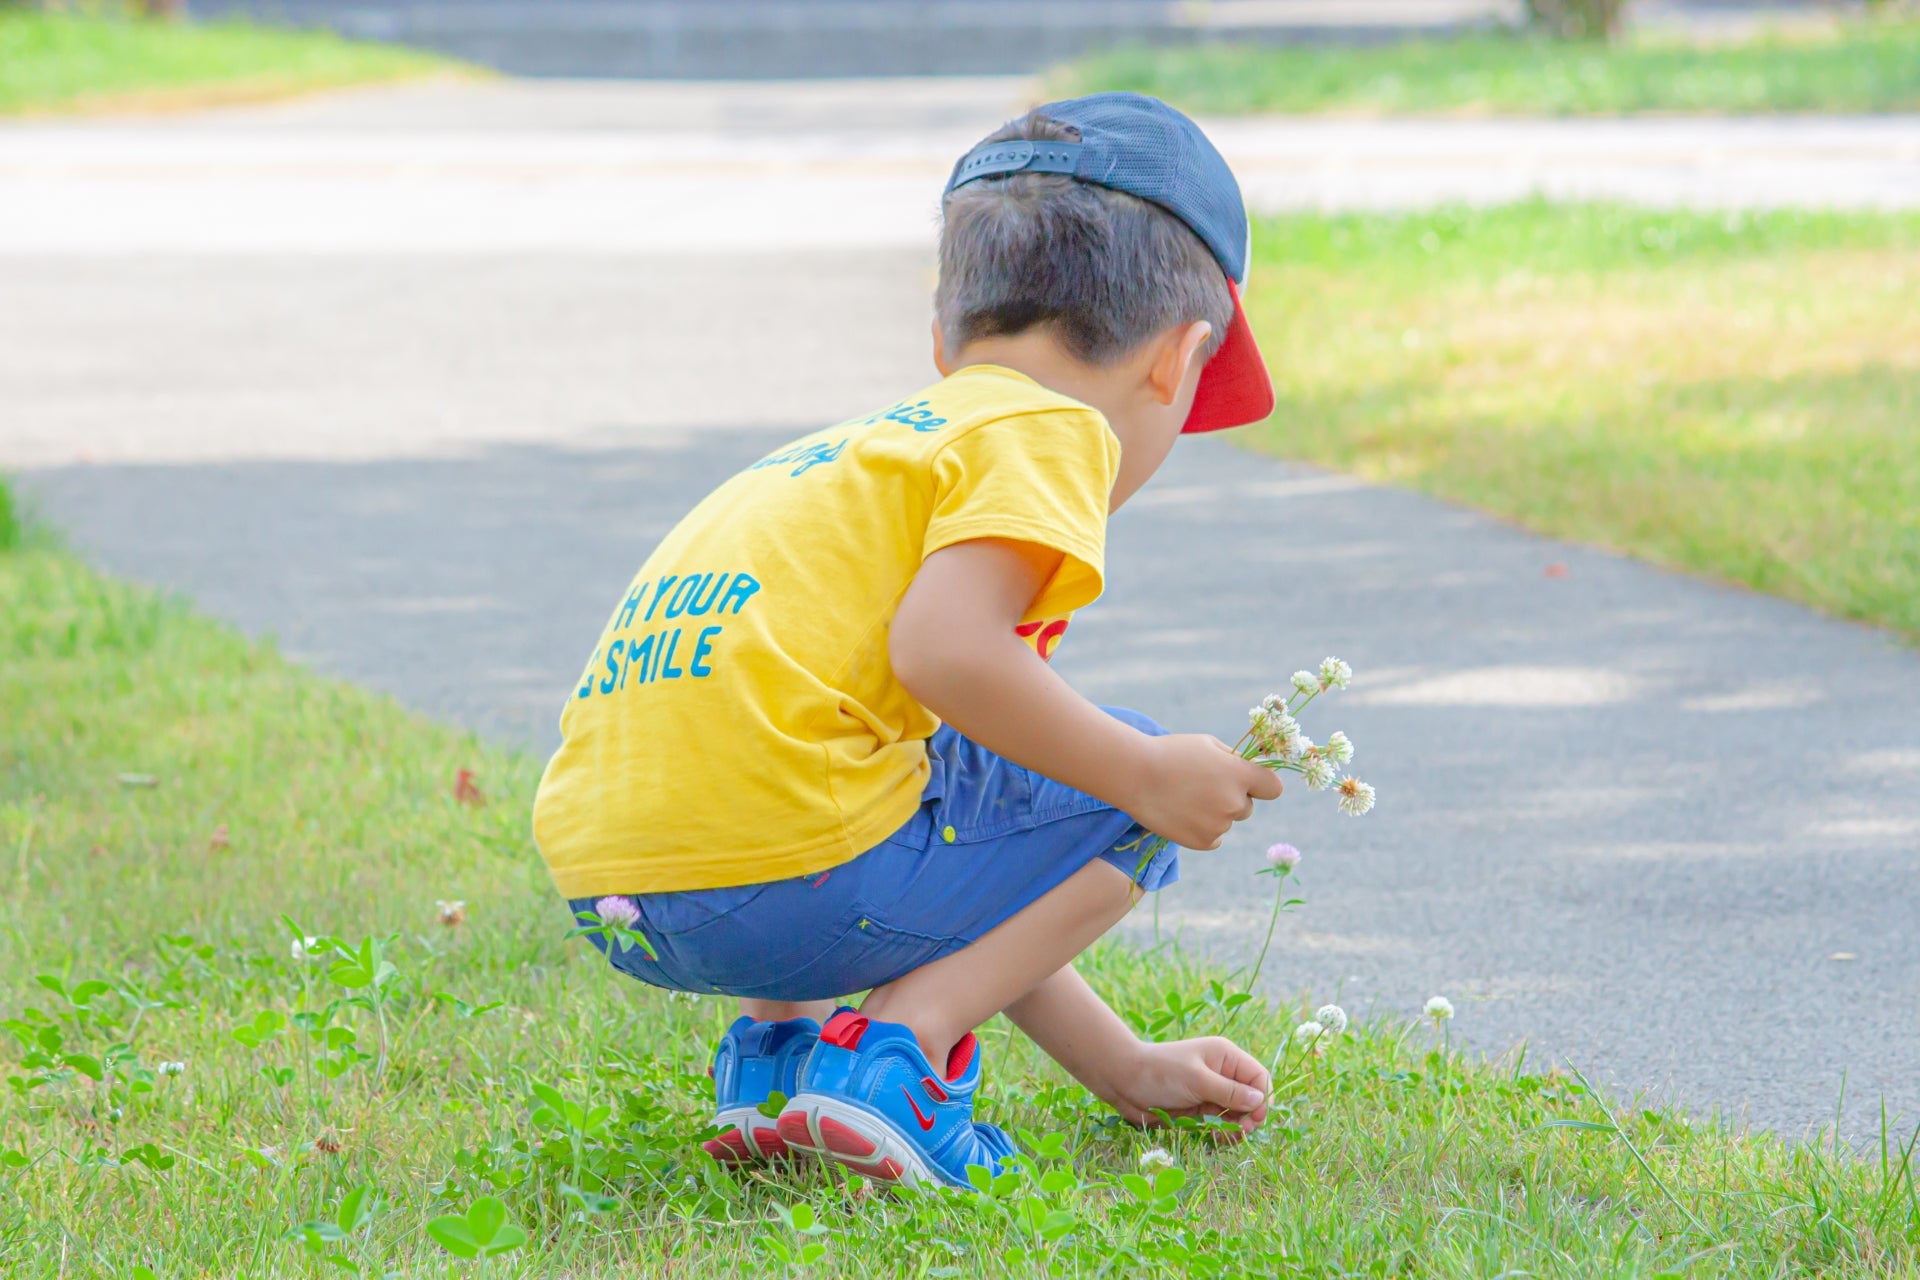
(729, 1148)
(962, 1056)
(844, 1029)
(772, 1147)
(933, 1088)
(926, 1121)
(843, 1141)
(885, 1170)
(792, 1127)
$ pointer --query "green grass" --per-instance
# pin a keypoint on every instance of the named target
(1866, 66)
(169, 792)
(10, 518)
(64, 62)
(1733, 395)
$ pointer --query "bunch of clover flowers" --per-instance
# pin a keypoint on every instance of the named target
(1273, 738)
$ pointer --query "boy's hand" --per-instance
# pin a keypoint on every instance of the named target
(1211, 1076)
(1195, 788)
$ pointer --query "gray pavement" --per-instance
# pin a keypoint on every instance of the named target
(1627, 816)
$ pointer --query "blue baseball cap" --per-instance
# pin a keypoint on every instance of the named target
(1142, 146)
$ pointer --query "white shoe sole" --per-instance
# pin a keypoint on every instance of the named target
(855, 1138)
(746, 1137)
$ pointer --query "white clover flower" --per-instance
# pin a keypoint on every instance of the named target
(1356, 797)
(683, 997)
(1340, 748)
(305, 948)
(1260, 722)
(1335, 674)
(1283, 856)
(1154, 1159)
(1439, 1008)
(453, 912)
(1275, 732)
(1332, 1017)
(1317, 772)
(617, 911)
(1275, 704)
(1306, 682)
(1311, 1036)
(170, 1068)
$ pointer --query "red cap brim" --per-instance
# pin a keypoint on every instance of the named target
(1234, 387)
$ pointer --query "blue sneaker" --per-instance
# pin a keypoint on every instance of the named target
(754, 1060)
(870, 1100)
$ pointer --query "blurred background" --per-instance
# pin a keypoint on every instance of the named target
(400, 331)
(813, 38)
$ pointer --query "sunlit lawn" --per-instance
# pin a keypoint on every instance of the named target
(170, 794)
(1859, 66)
(1735, 395)
(80, 62)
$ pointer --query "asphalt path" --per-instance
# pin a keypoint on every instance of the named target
(1663, 828)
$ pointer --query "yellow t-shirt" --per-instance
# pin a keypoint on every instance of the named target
(739, 720)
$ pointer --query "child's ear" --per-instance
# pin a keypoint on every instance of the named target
(1178, 352)
(939, 350)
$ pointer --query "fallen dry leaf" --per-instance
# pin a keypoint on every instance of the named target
(464, 790)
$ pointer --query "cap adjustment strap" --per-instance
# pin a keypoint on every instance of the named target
(997, 158)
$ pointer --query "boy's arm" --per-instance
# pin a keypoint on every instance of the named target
(954, 649)
(1209, 1076)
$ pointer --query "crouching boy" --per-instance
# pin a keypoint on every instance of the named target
(818, 748)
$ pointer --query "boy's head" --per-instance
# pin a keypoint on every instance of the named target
(1112, 226)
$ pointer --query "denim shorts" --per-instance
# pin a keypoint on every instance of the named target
(988, 840)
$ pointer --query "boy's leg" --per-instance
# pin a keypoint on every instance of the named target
(782, 1010)
(888, 1091)
(943, 1001)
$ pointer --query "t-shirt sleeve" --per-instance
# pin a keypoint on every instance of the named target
(1044, 478)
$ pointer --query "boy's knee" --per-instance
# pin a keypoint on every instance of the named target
(1144, 723)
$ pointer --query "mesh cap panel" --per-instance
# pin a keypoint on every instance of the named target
(1145, 148)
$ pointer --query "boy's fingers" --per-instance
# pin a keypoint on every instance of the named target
(1228, 1094)
(1230, 1060)
(1262, 783)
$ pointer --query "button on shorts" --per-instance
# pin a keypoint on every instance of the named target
(989, 839)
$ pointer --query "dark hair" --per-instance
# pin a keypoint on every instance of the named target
(1103, 269)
